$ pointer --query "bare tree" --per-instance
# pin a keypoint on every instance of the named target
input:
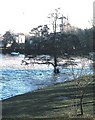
(82, 79)
(54, 18)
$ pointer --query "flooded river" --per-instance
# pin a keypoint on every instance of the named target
(18, 79)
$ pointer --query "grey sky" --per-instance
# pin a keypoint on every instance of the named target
(22, 15)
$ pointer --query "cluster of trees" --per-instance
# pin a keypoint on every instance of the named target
(10, 44)
(86, 40)
(73, 43)
(58, 43)
(8, 39)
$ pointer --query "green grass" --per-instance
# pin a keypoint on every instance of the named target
(60, 102)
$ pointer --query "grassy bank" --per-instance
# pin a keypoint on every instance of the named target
(58, 102)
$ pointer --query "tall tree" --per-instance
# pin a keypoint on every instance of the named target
(54, 44)
(55, 16)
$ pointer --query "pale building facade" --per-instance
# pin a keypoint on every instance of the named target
(20, 38)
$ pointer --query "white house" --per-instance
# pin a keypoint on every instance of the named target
(20, 38)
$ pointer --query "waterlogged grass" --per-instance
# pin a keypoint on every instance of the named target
(58, 102)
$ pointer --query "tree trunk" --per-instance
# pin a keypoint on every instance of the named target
(81, 105)
(56, 70)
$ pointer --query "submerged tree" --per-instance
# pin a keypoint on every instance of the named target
(54, 18)
(56, 45)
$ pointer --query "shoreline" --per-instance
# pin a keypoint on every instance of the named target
(54, 101)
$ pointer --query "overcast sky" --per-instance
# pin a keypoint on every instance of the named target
(23, 15)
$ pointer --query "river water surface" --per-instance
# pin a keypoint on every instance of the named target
(19, 79)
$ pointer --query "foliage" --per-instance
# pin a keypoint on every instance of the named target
(64, 43)
(8, 39)
(86, 40)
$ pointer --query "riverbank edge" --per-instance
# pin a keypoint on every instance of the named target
(48, 103)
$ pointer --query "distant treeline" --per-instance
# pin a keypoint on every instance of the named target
(74, 43)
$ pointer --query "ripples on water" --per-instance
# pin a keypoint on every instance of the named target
(18, 79)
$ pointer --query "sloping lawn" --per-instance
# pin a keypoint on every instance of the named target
(57, 102)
